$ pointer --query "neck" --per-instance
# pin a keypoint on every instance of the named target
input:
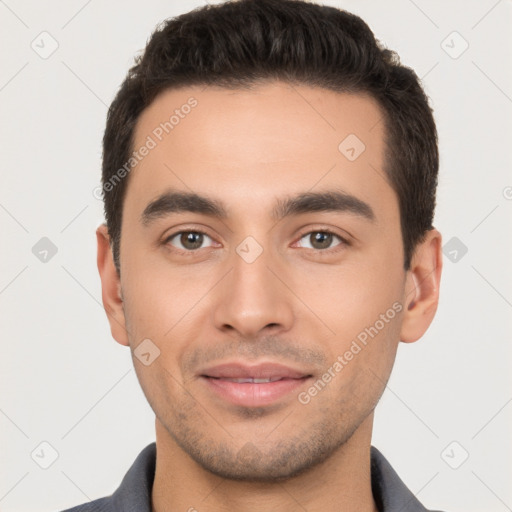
(341, 482)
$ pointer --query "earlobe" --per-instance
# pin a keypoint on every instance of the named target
(111, 287)
(422, 287)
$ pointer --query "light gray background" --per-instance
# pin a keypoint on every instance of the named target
(65, 381)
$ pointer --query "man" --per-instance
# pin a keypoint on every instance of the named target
(269, 177)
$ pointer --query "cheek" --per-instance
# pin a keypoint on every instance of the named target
(361, 304)
(155, 292)
(366, 359)
(348, 298)
(167, 304)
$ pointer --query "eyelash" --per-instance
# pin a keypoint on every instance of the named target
(343, 241)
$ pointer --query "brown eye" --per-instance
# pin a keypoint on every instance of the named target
(321, 240)
(188, 240)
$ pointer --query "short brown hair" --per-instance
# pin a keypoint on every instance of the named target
(245, 42)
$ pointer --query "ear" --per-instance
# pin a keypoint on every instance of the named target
(422, 287)
(111, 287)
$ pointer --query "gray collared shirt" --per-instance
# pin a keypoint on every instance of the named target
(134, 493)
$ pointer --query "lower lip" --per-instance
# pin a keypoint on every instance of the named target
(250, 394)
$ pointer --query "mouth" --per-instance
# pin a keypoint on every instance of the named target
(253, 386)
(249, 379)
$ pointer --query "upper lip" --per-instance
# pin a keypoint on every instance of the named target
(258, 371)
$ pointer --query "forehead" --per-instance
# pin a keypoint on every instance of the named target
(250, 145)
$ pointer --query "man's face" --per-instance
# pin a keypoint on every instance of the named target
(255, 294)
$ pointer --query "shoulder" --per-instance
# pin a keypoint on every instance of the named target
(100, 505)
(134, 493)
(389, 491)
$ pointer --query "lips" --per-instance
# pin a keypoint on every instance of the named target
(251, 379)
(253, 386)
(272, 371)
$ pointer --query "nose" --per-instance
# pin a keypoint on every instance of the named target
(254, 298)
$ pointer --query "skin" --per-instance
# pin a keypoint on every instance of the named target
(296, 303)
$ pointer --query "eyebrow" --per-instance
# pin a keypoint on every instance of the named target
(306, 202)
